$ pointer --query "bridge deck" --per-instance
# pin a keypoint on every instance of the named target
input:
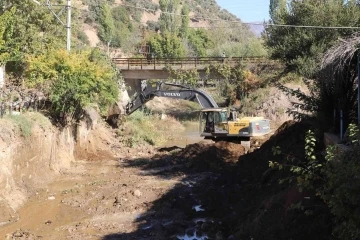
(184, 63)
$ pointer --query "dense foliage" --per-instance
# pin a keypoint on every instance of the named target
(332, 178)
(129, 33)
(167, 45)
(34, 30)
(73, 81)
(301, 48)
(6, 31)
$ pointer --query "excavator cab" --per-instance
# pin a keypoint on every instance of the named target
(213, 121)
(221, 123)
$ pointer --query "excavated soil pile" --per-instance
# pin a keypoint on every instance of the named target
(252, 202)
(211, 156)
(289, 137)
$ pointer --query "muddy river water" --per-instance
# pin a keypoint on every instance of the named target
(190, 135)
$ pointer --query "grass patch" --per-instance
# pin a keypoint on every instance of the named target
(25, 122)
(39, 119)
(141, 127)
(22, 123)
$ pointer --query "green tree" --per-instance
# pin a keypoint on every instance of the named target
(35, 30)
(6, 32)
(184, 29)
(300, 48)
(167, 45)
(106, 21)
(276, 7)
(169, 20)
(199, 41)
(73, 81)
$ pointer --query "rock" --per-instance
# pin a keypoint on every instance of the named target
(176, 228)
(51, 198)
(91, 117)
(231, 237)
(173, 238)
(163, 116)
(137, 193)
(190, 232)
(18, 233)
(205, 226)
(219, 236)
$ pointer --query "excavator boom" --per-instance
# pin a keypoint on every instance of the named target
(149, 91)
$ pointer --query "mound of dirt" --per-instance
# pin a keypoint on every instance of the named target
(289, 137)
(211, 155)
(269, 215)
(247, 197)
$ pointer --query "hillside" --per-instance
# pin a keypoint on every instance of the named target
(134, 22)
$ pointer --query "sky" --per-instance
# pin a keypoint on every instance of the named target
(247, 10)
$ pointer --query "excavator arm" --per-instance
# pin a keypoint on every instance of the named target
(149, 91)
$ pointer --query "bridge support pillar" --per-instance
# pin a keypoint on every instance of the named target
(133, 86)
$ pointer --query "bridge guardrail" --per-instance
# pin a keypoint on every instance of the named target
(159, 63)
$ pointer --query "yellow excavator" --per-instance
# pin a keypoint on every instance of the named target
(215, 123)
(223, 124)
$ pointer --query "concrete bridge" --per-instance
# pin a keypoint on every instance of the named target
(142, 68)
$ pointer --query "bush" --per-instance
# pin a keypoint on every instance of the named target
(73, 81)
(335, 180)
(139, 128)
(341, 192)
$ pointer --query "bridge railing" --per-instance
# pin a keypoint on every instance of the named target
(160, 63)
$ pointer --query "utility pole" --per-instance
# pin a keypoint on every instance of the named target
(68, 26)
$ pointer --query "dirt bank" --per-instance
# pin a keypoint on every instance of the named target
(28, 162)
(33, 153)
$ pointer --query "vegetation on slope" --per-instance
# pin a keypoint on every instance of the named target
(327, 57)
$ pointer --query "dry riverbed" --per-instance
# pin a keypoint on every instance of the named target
(153, 196)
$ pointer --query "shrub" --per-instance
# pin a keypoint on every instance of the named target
(73, 81)
(141, 127)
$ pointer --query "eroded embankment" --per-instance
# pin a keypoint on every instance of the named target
(33, 153)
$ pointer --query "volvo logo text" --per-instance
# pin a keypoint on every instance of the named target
(171, 94)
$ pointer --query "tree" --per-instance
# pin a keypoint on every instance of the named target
(167, 45)
(107, 27)
(300, 48)
(169, 21)
(184, 29)
(73, 81)
(276, 6)
(199, 41)
(6, 32)
(35, 29)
